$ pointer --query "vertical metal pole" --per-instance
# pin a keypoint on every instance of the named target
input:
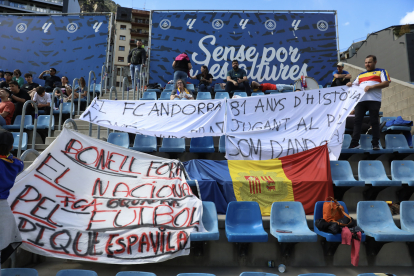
(93, 94)
(123, 86)
(149, 44)
(108, 52)
(113, 88)
(73, 98)
(123, 89)
(52, 103)
(337, 36)
(19, 149)
(120, 77)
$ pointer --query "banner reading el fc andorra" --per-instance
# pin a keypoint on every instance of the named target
(272, 47)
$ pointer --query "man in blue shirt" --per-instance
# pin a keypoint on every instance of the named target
(237, 79)
(340, 76)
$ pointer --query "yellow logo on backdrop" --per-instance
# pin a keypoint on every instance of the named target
(263, 186)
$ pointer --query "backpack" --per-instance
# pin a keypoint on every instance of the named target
(333, 211)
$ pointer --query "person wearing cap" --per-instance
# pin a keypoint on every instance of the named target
(340, 76)
(6, 107)
(10, 167)
(2, 75)
(8, 79)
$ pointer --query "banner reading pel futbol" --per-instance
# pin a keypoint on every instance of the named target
(73, 45)
(272, 47)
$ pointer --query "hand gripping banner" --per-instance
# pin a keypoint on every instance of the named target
(85, 199)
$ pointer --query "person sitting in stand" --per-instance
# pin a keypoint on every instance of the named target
(30, 86)
(237, 79)
(341, 77)
(6, 107)
(205, 79)
(263, 87)
(17, 76)
(80, 88)
(18, 97)
(42, 99)
(66, 92)
(49, 80)
(8, 79)
(181, 92)
(10, 167)
(2, 76)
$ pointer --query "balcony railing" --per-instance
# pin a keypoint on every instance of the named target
(27, 7)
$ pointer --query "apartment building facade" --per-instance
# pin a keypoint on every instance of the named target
(39, 6)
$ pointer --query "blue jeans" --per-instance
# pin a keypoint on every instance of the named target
(2, 121)
(204, 88)
(134, 68)
(180, 75)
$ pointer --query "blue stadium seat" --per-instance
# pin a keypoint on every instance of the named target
(16, 124)
(42, 123)
(149, 96)
(317, 274)
(222, 144)
(203, 96)
(119, 138)
(165, 96)
(241, 94)
(342, 175)
(190, 86)
(257, 274)
(153, 90)
(202, 144)
(195, 274)
(76, 272)
(380, 113)
(222, 95)
(145, 143)
(320, 86)
(274, 92)
(217, 86)
(19, 272)
(366, 145)
(398, 143)
(16, 136)
(210, 222)
(328, 85)
(172, 145)
(403, 171)
(135, 273)
(97, 88)
(374, 217)
(257, 94)
(346, 143)
(407, 216)
(373, 172)
(244, 222)
(318, 214)
(290, 216)
(399, 128)
(65, 109)
(169, 86)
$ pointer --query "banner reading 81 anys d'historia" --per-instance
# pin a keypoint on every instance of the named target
(273, 47)
(85, 199)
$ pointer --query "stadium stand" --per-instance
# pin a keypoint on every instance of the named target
(135, 273)
(403, 170)
(144, 143)
(240, 93)
(210, 222)
(165, 95)
(373, 172)
(17, 122)
(16, 136)
(149, 96)
(407, 216)
(172, 145)
(222, 95)
(42, 123)
(119, 138)
(342, 174)
(397, 143)
(76, 272)
(366, 145)
(222, 144)
(203, 96)
(202, 144)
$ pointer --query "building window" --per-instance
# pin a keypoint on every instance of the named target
(124, 15)
(122, 37)
(120, 59)
(118, 71)
(123, 27)
(121, 48)
(117, 83)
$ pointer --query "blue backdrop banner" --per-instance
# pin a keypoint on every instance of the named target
(73, 45)
(272, 47)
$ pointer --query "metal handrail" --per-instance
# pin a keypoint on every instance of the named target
(93, 94)
(72, 98)
(26, 153)
(113, 88)
(52, 102)
(123, 88)
(75, 126)
(19, 149)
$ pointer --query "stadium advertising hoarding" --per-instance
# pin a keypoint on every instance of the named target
(272, 47)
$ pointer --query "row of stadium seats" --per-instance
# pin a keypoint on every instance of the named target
(165, 95)
(42, 122)
(393, 143)
(80, 272)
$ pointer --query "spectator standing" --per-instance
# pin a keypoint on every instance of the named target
(42, 99)
(18, 97)
(8, 79)
(182, 67)
(136, 58)
(6, 107)
(17, 76)
(237, 79)
(51, 80)
(341, 77)
(263, 87)
(29, 86)
(10, 167)
(2, 75)
(372, 81)
(205, 79)
(181, 91)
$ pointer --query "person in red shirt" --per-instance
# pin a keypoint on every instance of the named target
(263, 87)
(6, 107)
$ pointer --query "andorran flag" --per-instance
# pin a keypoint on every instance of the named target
(303, 177)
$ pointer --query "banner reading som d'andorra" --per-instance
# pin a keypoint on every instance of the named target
(272, 47)
(85, 199)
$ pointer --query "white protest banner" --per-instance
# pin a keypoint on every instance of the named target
(85, 199)
(272, 126)
(176, 119)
